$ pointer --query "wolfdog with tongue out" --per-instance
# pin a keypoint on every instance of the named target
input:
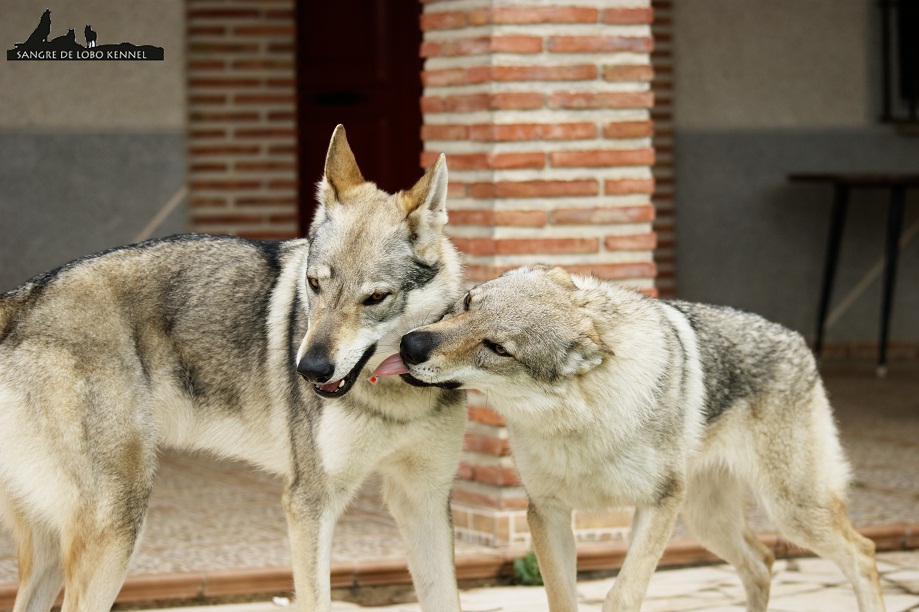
(612, 398)
(248, 349)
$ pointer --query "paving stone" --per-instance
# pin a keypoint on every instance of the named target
(837, 599)
(819, 579)
(885, 567)
(902, 559)
(696, 601)
(906, 579)
(793, 588)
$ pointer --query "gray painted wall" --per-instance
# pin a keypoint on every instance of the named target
(764, 89)
(90, 152)
(66, 195)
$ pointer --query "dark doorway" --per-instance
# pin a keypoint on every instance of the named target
(358, 65)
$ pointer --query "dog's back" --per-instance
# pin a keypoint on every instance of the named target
(173, 286)
(9, 307)
(744, 356)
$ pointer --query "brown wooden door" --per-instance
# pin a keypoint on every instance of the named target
(358, 65)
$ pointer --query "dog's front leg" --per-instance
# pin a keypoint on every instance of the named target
(424, 518)
(417, 484)
(651, 529)
(553, 540)
(310, 522)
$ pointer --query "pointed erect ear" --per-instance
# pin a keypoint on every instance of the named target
(429, 195)
(425, 210)
(557, 275)
(341, 171)
(584, 355)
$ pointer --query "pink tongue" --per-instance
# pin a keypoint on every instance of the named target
(391, 366)
(330, 387)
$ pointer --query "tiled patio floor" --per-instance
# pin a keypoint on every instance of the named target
(209, 515)
(801, 585)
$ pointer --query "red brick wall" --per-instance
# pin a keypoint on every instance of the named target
(241, 117)
(543, 112)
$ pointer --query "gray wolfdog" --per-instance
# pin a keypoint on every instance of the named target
(612, 398)
(253, 350)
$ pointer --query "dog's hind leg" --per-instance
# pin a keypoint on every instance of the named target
(820, 523)
(652, 527)
(97, 548)
(553, 541)
(40, 572)
(95, 563)
(714, 513)
(102, 530)
(801, 483)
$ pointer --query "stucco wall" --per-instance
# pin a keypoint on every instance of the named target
(91, 150)
(763, 89)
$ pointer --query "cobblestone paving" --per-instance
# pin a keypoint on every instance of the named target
(209, 515)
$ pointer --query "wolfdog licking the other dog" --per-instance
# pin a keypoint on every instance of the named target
(612, 398)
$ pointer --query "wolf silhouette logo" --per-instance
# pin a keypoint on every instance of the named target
(41, 32)
(66, 41)
(65, 47)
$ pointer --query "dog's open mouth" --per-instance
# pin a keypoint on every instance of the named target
(338, 388)
(420, 383)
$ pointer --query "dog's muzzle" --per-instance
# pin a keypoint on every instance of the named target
(316, 369)
(416, 348)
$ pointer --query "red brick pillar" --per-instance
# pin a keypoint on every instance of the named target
(543, 112)
(662, 115)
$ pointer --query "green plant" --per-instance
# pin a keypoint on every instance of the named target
(526, 570)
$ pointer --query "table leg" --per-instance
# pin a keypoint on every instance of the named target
(837, 222)
(892, 248)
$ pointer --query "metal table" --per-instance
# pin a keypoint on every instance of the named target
(843, 183)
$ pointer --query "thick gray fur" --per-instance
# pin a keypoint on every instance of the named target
(612, 398)
(194, 342)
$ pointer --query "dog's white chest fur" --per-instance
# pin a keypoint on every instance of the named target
(589, 470)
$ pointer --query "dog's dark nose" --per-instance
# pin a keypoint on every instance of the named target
(315, 366)
(416, 347)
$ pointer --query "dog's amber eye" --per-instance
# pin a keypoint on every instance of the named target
(375, 298)
(466, 301)
(314, 283)
(497, 349)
